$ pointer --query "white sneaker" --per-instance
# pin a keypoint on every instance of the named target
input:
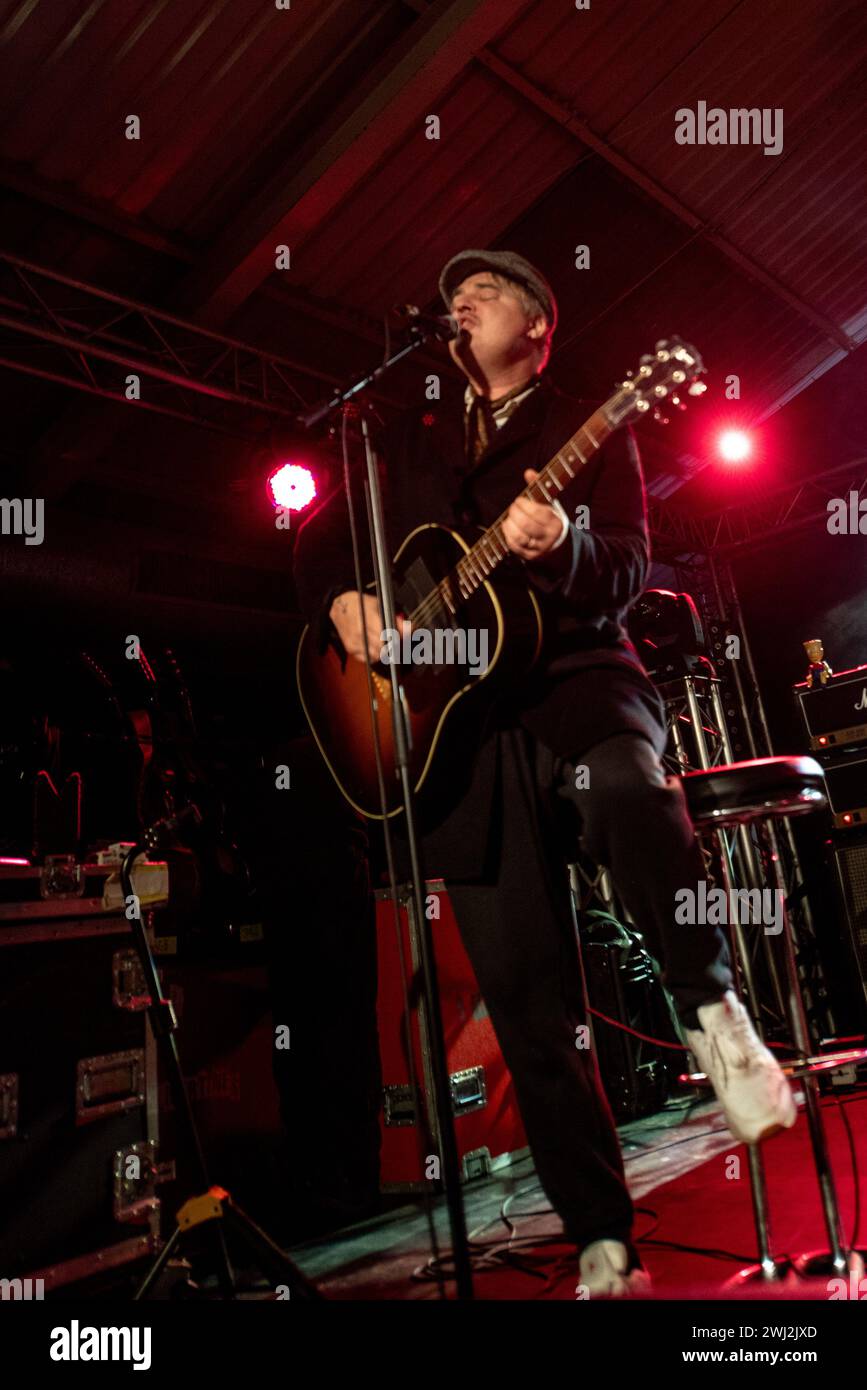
(602, 1268)
(755, 1096)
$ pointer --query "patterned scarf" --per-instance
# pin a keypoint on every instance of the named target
(484, 417)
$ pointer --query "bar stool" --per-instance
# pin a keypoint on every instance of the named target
(738, 794)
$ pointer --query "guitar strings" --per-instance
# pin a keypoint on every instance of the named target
(465, 570)
(464, 573)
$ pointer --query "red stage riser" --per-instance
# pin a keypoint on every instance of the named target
(470, 1043)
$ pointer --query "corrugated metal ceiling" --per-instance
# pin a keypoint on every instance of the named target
(558, 129)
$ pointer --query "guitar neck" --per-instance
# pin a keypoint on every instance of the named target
(490, 549)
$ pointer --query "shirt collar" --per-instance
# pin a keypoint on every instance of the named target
(511, 399)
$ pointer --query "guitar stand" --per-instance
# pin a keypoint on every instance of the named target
(211, 1210)
(217, 1206)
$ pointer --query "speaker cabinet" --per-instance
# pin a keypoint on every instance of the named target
(850, 865)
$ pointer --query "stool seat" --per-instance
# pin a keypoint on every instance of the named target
(741, 792)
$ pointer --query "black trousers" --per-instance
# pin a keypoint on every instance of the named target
(519, 935)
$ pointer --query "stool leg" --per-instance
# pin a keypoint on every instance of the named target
(818, 1139)
(759, 1192)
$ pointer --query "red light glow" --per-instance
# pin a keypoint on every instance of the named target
(292, 486)
(734, 446)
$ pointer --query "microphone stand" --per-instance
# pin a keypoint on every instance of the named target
(420, 331)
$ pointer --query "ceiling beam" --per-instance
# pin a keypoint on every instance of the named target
(401, 91)
(579, 128)
(84, 208)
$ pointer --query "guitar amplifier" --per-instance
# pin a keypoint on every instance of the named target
(846, 781)
(850, 865)
(488, 1127)
(835, 714)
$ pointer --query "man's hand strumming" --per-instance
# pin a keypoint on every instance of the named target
(345, 616)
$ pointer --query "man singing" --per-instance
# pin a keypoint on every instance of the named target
(572, 752)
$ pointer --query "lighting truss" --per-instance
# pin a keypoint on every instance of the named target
(64, 331)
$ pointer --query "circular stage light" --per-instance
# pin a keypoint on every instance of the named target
(292, 485)
(734, 446)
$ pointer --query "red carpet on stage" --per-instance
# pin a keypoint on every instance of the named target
(706, 1208)
(694, 1232)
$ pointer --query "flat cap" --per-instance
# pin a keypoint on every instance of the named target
(507, 263)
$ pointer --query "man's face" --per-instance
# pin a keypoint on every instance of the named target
(497, 328)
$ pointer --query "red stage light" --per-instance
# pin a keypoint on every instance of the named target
(293, 486)
(734, 446)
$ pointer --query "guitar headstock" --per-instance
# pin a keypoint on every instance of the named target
(667, 375)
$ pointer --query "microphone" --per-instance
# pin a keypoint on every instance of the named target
(444, 326)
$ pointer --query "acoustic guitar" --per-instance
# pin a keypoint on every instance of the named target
(474, 622)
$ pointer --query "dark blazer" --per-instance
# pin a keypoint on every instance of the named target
(583, 588)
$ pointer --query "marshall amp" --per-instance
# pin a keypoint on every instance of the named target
(835, 714)
(846, 781)
(835, 718)
(850, 865)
